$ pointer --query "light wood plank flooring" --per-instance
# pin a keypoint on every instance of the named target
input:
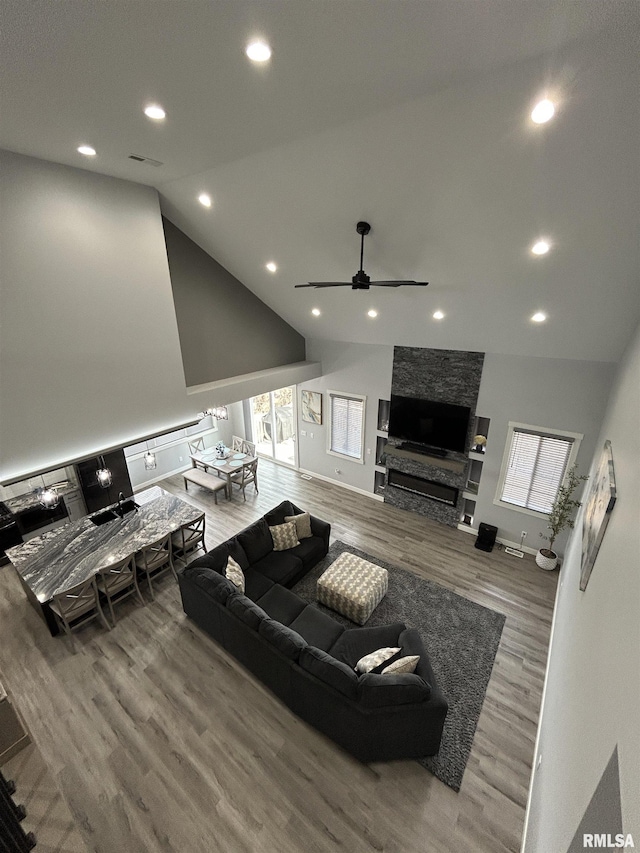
(160, 741)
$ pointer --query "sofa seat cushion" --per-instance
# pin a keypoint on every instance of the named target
(381, 691)
(317, 628)
(355, 643)
(281, 604)
(289, 642)
(255, 583)
(256, 541)
(280, 566)
(310, 551)
(330, 671)
(212, 582)
(246, 610)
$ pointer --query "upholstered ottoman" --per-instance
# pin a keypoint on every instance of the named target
(352, 586)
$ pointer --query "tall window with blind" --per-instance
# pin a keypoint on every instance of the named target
(534, 465)
(346, 425)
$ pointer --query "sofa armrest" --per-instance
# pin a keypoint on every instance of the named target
(321, 528)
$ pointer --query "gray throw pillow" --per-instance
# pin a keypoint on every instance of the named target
(302, 523)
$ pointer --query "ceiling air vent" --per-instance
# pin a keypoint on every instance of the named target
(140, 159)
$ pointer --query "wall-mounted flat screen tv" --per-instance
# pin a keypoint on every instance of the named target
(441, 425)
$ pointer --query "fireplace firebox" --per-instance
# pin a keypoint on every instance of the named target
(420, 486)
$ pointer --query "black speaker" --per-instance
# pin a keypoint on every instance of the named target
(486, 536)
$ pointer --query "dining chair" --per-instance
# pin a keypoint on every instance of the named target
(188, 538)
(118, 581)
(78, 605)
(196, 445)
(155, 560)
(236, 443)
(247, 475)
(249, 448)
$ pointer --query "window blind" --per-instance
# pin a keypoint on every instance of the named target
(346, 425)
(535, 470)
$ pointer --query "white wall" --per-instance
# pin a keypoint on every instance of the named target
(355, 368)
(89, 349)
(557, 393)
(592, 692)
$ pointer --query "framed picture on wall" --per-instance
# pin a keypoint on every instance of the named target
(311, 406)
(600, 500)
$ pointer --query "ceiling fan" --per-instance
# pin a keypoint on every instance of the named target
(361, 280)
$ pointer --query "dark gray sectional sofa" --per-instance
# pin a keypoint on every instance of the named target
(307, 658)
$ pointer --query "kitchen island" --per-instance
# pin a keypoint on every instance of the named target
(69, 555)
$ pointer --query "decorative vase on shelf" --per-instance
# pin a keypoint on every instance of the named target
(479, 442)
(546, 559)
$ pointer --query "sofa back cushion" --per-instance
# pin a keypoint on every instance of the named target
(212, 582)
(289, 642)
(330, 671)
(277, 514)
(215, 559)
(256, 541)
(246, 610)
(238, 553)
(380, 691)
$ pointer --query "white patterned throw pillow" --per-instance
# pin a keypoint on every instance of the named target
(374, 659)
(405, 664)
(284, 536)
(302, 523)
(235, 574)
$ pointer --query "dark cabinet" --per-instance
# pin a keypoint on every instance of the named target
(96, 496)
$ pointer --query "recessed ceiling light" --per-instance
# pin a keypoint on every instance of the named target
(540, 248)
(315, 312)
(372, 313)
(87, 150)
(204, 199)
(155, 112)
(258, 51)
(438, 315)
(543, 111)
(539, 317)
(271, 266)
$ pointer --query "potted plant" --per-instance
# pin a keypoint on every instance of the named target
(560, 516)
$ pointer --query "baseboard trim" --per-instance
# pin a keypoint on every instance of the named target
(138, 487)
(315, 475)
(473, 531)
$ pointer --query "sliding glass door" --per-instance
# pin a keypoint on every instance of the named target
(273, 424)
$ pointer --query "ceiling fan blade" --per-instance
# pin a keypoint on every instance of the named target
(325, 284)
(399, 283)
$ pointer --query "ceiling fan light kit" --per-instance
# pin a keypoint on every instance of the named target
(361, 281)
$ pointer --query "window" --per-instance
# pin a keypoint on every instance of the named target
(534, 465)
(346, 425)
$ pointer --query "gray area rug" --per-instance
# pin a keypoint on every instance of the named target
(461, 638)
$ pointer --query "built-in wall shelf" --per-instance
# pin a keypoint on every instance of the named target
(381, 444)
(380, 479)
(474, 473)
(384, 408)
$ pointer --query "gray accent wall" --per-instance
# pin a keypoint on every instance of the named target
(225, 330)
(89, 350)
(592, 687)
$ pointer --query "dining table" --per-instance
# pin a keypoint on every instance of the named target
(71, 554)
(233, 462)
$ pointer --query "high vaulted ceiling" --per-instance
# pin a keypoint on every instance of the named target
(411, 114)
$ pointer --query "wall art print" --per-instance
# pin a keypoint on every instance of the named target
(600, 500)
(311, 406)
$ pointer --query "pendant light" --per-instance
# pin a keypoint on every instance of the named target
(150, 461)
(48, 496)
(103, 474)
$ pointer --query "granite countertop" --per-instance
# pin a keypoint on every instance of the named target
(30, 499)
(70, 554)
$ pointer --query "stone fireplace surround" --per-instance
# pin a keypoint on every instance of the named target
(448, 376)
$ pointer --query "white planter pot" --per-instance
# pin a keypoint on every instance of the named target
(547, 563)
